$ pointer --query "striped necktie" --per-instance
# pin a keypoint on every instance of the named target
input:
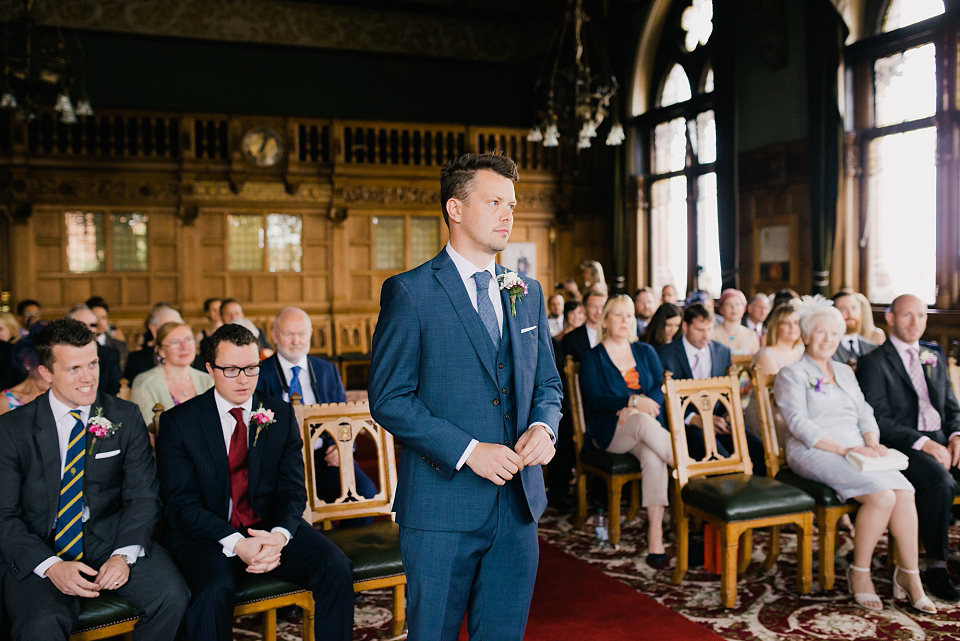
(488, 314)
(928, 419)
(68, 541)
(295, 387)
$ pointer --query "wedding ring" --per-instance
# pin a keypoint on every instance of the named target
(116, 583)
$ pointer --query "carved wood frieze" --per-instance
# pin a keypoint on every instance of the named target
(47, 188)
(388, 195)
(258, 191)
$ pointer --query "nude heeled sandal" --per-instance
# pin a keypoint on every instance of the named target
(863, 598)
(923, 604)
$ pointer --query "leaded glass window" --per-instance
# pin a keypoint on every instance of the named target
(284, 242)
(388, 242)
(424, 239)
(86, 242)
(128, 242)
(245, 242)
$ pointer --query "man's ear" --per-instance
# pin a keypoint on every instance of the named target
(888, 316)
(46, 374)
(455, 210)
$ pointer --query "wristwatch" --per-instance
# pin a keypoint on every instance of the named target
(129, 560)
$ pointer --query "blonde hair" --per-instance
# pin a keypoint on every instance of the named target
(867, 329)
(11, 323)
(618, 299)
(775, 319)
(598, 283)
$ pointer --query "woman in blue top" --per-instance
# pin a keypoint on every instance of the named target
(620, 380)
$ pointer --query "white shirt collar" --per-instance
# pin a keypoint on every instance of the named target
(691, 350)
(468, 269)
(102, 339)
(60, 410)
(224, 406)
(903, 347)
(287, 365)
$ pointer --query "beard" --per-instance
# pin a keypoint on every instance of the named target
(853, 325)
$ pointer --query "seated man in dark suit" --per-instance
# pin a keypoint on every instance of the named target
(78, 509)
(581, 340)
(852, 345)
(105, 331)
(696, 355)
(234, 497)
(293, 371)
(907, 384)
(109, 357)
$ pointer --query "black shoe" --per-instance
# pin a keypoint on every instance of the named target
(938, 583)
(658, 561)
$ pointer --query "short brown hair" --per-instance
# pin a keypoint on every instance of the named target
(230, 333)
(456, 177)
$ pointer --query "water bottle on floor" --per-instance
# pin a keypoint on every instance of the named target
(603, 535)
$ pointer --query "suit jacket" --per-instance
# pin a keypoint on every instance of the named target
(120, 490)
(577, 343)
(195, 476)
(433, 385)
(887, 387)
(10, 373)
(121, 346)
(324, 379)
(844, 355)
(674, 359)
(605, 392)
(109, 370)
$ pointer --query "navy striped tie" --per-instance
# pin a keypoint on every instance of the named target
(68, 541)
(485, 307)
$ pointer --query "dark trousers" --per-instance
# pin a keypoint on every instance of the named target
(38, 610)
(328, 486)
(559, 472)
(488, 573)
(309, 560)
(935, 488)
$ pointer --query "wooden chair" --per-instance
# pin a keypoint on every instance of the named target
(954, 371)
(722, 491)
(828, 508)
(616, 470)
(374, 549)
(124, 391)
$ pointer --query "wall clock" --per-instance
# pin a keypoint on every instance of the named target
(263, 146)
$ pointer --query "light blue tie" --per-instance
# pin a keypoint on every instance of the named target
(485, 307)
(295, 383)
(68, 540)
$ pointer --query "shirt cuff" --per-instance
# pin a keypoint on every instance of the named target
(953, 435)
(919, 443)
(129, 552)
(41, 569)
(467, 452)
(550, 432)
(230, 542)
(286, 533)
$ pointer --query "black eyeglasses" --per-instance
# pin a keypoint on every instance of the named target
(232, 371)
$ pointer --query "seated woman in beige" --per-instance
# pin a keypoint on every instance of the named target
(731, 332)
(783, 348)
(173, 381)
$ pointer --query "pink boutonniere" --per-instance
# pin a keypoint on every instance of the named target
(101, 427)
(260, 418)
(928, 359)
(514, 286)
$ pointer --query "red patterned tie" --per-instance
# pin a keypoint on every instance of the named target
(242, 515)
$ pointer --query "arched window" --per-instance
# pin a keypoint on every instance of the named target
(681, 154)
(906, 108)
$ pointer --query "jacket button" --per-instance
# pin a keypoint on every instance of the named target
(503, 391)
(506, 442)
(496, 401)
(506, 416)
(501, 365)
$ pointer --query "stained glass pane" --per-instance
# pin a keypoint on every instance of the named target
(424, 239)
(903, 178)
(388, 242)
(708, 235)
(669, 232)
(906, 12)
(284, 246)
(128, 242)
(676, 88)
(906, 85)
(85, 241)
(708, 82)
(704, 137)
(697, 21)
(245, 242)
(669, 146)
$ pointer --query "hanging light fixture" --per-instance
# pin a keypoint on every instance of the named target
(574, 97)
(37, 70)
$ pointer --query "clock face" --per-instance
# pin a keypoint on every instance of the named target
(263, 146)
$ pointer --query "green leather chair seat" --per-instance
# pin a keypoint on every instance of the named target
(374, 549)
(606, 462)
(743, 497)
(824, 495)
(260, 587)
(106, 609)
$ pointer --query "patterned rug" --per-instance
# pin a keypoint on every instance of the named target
(768, 607)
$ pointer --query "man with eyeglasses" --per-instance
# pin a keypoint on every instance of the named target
(232, 482)
(109, 357)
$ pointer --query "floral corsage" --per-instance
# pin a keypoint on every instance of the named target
(260, 418)
(928, 358)
(101, 427)
(514, 286)
(817, 382)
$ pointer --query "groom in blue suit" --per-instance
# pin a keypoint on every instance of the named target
(463, 374)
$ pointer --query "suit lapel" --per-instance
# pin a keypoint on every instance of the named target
(511, 326)
(210, 425)
(93, 444)
(253, 453)
(894, 360)
(449, 278)
(716, 368)
(685, 364)
(48, 449)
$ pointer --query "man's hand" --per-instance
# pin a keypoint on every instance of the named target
(939, 453)
(494, 462)
(66, 575)
(953, 446)
(113, 573)
(535, 446)
(247, 548)
(332, 456)
(720, 425)
(269, 556)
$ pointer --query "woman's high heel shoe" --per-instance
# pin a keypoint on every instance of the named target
(923, 604)
(864, 599)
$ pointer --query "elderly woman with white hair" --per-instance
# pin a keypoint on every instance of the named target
(827, 418)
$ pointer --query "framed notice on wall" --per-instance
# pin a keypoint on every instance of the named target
(774, 244)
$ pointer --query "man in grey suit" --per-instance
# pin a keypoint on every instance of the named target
(463, 374)
(77, 510)
(852, 344)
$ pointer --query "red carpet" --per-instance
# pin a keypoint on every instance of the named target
(574, 601)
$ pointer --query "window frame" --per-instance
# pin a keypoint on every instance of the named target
(108, 249)
(407, 238)
(265, 249)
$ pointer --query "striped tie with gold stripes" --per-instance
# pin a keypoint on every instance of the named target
(68, 543)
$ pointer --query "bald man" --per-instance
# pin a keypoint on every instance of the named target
(906, 382)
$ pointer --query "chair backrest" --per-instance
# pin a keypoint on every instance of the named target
(155, 423)
(954, 371)
(572, 371)
(763, 396)
(345, 422)
(124, 391)
(703, 395)
(741, 362)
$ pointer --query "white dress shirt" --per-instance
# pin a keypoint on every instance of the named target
(556, 324)
(852, 343)
(699, 359)
(306, 387)
(592, 335)
(228, 423)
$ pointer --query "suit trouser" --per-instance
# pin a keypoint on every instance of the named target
(559, 472)
(309, 560)
(488, 573)
(935, 487)
(40, 611)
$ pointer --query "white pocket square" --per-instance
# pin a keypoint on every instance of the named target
(528, 329)
(107, 454)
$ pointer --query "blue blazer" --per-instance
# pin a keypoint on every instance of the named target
(324, 378)
(674, 359)
(433, 385)
(605, 392)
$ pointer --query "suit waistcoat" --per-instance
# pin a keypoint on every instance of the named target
(505, 386)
